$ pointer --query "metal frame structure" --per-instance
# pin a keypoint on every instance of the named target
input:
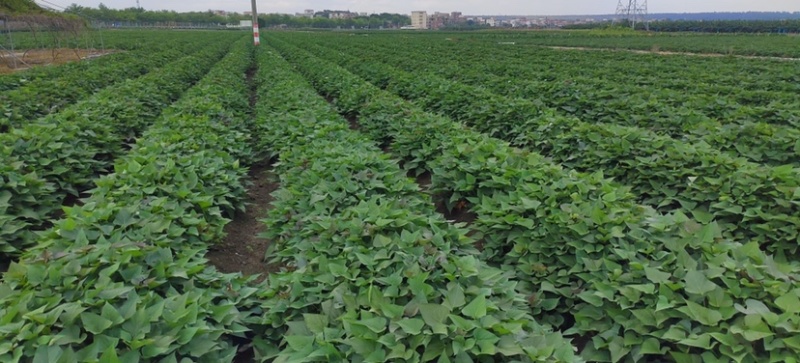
(7, 50)
(36, 23)
(634, 11)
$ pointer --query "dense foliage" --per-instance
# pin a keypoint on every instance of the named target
(30, 95)
(321, 20)
(124, 272)
(759, 123)
(374, 274)
(104, 13)
(778, 45)
(19, 6)
(372, 21)
(579, 277)
(597, 235)
(53, 159)
(749, 200)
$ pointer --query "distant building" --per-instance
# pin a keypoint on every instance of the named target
(308, 13)
(419, 19)
(437, 20)
(339, 14)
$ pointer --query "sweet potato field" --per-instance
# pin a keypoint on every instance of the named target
(437, 198)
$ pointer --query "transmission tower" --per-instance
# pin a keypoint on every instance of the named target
(138, 6)
(634, 11)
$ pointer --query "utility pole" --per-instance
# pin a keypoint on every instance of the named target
(256, 37)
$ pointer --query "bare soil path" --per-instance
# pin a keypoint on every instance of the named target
(243, 250)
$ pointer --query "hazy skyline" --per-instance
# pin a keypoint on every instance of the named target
(473, 7)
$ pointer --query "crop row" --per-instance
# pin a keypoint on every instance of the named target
(45, 95)
(766, 133)
(692, 75)
(675, 78)
(733, 81)
(122, 277)
(371, 271)
(748, 200)
(12, 81)
(739, 132)
(137, 43)
(629, 283)
(777, 45)
(55, 158)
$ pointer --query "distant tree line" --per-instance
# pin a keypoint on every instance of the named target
(26, 16)
(728, 26)
(373, 21)
(106, 14)
(19, 6)
(467, 25)
(709, 26)
(133, 15)
(750, 15)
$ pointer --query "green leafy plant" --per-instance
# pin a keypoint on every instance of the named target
(43, 91)
(748, 200)
(629, 283)
(67, 150)
(124, 272)
(372, 273)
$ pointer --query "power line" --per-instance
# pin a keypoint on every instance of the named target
(50, 5)
(53, 6)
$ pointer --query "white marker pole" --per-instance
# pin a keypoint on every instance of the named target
(256, 37)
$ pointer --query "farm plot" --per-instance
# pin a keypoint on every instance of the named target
(54, 160)
(372, 272)
(750, 200)
(124, 272)
(767, 45)
(691, 103)
(576, 240)
(521, 227)
(29, 95)
(741, 119)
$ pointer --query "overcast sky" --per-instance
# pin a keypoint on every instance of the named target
(472, 7)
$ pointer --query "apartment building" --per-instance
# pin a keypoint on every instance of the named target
(419, 19)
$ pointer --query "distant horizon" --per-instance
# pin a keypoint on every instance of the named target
(650, 13)
(470, 7)
(467, 15)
